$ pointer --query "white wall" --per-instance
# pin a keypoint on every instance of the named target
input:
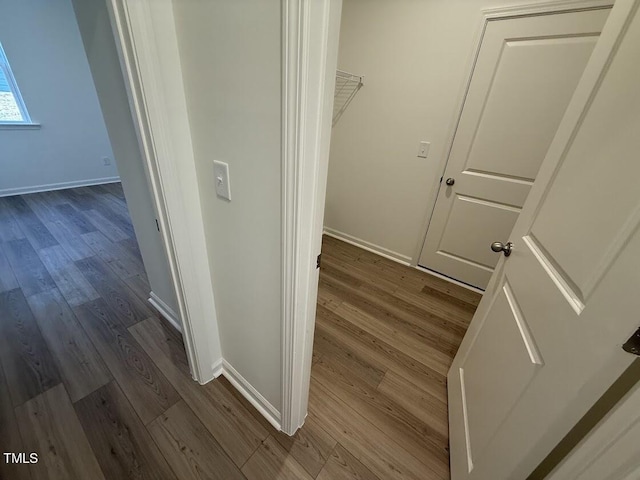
(95, 28)
(231, 62)
(415, 56)
(43, 45)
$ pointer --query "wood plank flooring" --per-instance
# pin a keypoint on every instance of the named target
(98, 385)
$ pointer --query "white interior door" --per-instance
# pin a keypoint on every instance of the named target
(526, 72)
(545, 341)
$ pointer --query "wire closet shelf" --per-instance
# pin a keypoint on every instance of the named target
(347, 85)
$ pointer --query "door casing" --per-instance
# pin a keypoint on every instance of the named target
(141, 30)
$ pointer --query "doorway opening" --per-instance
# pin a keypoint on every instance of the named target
(81, 256)
(379, 302)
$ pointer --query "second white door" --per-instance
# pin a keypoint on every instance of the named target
(525, 75)
(545, 342)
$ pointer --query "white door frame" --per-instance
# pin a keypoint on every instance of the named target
(617, 23)
(310, 56)
(310, 30)
(143, 28)
(487, 15)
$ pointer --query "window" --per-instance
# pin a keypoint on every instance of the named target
(12, 108)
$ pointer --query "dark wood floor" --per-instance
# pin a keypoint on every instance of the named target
(98, 385)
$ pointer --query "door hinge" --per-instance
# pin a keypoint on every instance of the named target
(318, 261)
(157, 225)
(633, 344)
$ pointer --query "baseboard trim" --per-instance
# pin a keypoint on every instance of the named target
(370, 247)
(391, 255)
(222, 367)
(217, 368)
(166, 311)
(7, 192)
(254, 397)
(449, 279)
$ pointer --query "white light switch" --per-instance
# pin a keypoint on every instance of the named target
(221, 174)
(423, 150)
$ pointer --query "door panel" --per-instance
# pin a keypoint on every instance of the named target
(526, 73)
(522, 107)
(482, 372)
(488, 219)
(545, 341)
(614, 225)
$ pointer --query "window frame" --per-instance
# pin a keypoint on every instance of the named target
(15, 91)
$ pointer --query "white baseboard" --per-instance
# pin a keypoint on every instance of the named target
(166, 311)
(57, 186)
(254, 397)
(449, 279)
(222, 367)
(217, 368)
(391, 255)
(370, 247)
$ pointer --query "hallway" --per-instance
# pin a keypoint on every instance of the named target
(97, 384)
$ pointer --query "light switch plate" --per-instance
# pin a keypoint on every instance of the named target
(221, 178)
(423, 150)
